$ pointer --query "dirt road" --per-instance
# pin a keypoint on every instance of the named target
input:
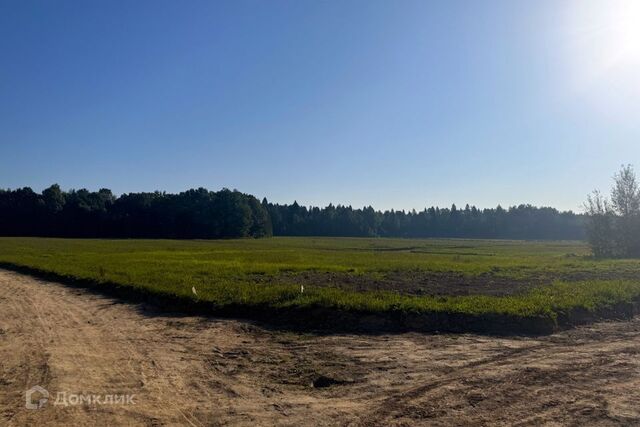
(197, 371)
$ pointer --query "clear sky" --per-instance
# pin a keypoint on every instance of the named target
(398, 104)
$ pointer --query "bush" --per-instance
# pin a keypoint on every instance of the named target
(613, 227)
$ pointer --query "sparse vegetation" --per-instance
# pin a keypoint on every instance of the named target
(613, 226)
(250, 274)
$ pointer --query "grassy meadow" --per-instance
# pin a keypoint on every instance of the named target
(552, 277)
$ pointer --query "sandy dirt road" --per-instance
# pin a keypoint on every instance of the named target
(196, 371)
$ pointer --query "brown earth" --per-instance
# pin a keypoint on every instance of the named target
(419, 282)
(201, 371)
(408, 282)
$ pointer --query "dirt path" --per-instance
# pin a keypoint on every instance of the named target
(197, 371)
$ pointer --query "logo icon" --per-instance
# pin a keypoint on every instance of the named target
(36, 397)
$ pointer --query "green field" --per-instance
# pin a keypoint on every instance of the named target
(469, 277)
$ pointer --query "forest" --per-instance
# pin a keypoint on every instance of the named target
(517, 222)
(191, 214)
(203, 214)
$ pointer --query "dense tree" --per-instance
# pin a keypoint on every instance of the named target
(200, 213)
(519, 222)
(196, 213)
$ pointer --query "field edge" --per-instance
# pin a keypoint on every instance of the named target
(327, 320)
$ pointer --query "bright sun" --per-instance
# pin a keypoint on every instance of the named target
(607, 32)
(604, 52)
(622, 28)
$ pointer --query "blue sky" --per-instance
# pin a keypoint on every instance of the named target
(396, 104)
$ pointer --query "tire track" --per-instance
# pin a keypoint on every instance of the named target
(196, 371)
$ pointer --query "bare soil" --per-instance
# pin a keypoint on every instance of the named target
(421, 282)
(197, 371)
(410, 282)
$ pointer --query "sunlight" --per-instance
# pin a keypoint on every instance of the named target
(608, 32)
(623, 32)
(604, 53)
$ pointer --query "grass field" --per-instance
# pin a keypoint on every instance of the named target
(476, 278)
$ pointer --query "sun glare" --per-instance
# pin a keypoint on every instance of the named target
(604, 53)
(623, 32)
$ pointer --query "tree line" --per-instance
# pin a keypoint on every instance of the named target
(517, 222)
(613, 227)
(196, 213)
(204, 214)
